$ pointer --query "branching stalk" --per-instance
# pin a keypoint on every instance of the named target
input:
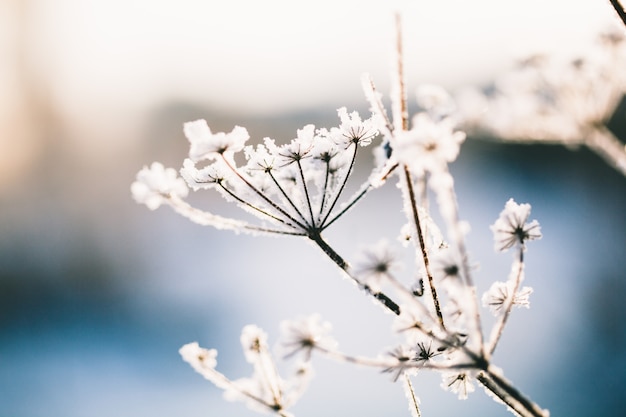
(343, 185)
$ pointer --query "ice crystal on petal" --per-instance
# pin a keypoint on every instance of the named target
(253, 341)
(204, 362)
(511, 229)
(199, 358)
(298, 148)
(495, 298)
(305, 334)
(205, 178)
(208, 145)
(353, 130)
(458, 383)
(155, 184)
(429, 145)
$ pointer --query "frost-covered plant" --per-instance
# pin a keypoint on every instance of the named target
(546, 101)
(296, 189)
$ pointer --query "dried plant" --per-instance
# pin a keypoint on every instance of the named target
(297, 190)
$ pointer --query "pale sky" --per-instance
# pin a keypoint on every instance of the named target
(101, 66)
(272, 55)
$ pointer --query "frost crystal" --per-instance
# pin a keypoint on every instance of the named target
(499, 292)
(296, 189)
(511, 228)
(155, 184)
(207, 145)
(429, 145)
(353, 130)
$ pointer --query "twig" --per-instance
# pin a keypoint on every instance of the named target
(619, 9)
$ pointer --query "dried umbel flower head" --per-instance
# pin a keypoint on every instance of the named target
(511, 228)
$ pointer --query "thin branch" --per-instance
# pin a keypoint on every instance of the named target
(204, 218)
(619, 9)
(253, 207)
(413, 400)
(510, 395)
(345, 180)
(365, 188)
(341, 263)
(422, 244)
(260, 194)
(306, 192)
(291, 203)
(325, 190)
(507, 305)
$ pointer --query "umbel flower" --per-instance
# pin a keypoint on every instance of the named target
(265, 390)
(156, 184)
(294, 189)
(512, 229)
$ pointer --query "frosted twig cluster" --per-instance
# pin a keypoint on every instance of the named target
(546, 101)
(296, 190)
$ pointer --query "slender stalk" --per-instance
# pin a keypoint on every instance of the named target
(341, 263)
(399, 110)
(270, 376)
(413, 401)
(389, 363)
(306, 192)
(368, 186)
(448, 207)
(325, 190)
(345, 180)
(247, 204)
(511, 396)
(348, 206)
(291, 203)
(262, 195)
(222, 381)
(204, 218)
(376, 104)
(619, 9)
(422, 244)
(508, 305)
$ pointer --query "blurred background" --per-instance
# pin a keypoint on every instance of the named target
(97, 293)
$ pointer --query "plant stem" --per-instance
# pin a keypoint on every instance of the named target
(341, 263)
(261, 194)
(422, 244)
(306, 192)
(511, 396)
(343, 184)
(507, 305)
(619, 9)
(413, 400)
(287, 198)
